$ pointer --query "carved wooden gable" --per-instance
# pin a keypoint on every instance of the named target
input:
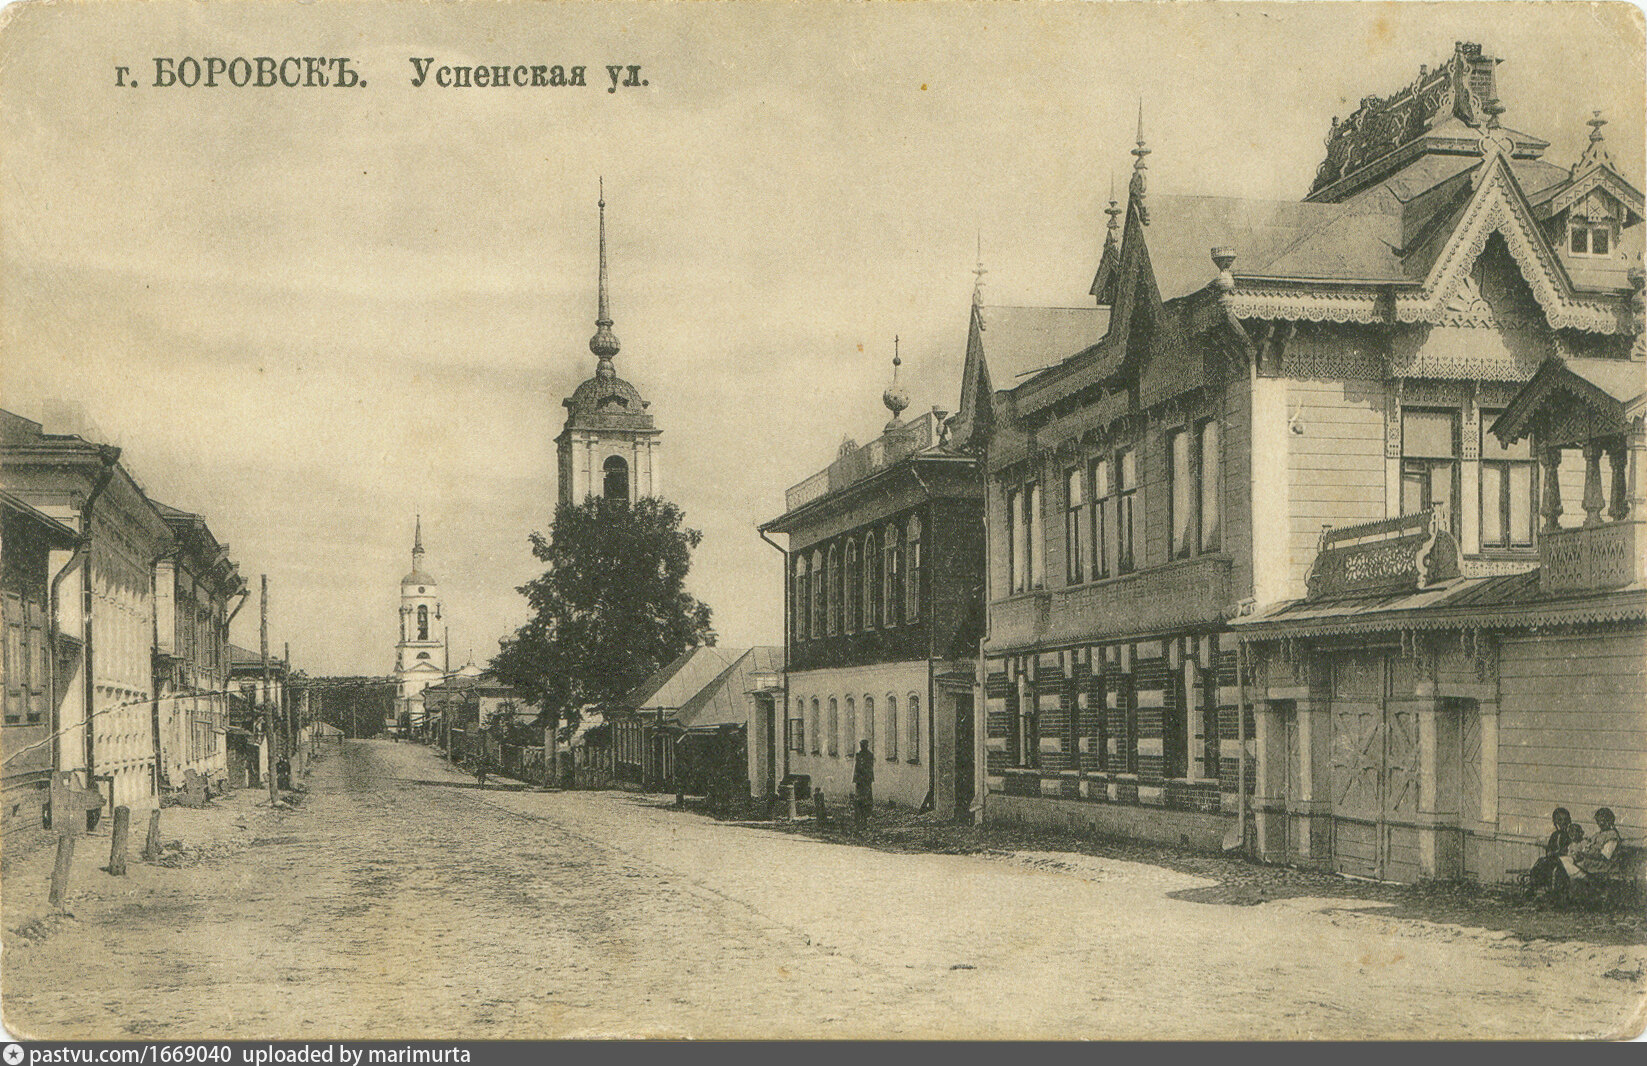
(1489, 327)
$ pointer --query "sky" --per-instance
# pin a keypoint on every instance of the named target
(309, 314)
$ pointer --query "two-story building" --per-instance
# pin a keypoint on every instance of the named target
(198, 590)
(882, 574)
(1255, 371)
(103, 589)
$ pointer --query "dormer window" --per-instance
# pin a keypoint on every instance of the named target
(1590, 240)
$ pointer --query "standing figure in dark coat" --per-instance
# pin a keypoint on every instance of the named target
(863, 784)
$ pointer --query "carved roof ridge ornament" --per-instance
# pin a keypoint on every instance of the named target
(1103, 283)
(1380, 125)
(1140, 181)
(1595, 153)
(1493, 137)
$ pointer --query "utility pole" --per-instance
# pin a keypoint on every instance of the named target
(268, 705)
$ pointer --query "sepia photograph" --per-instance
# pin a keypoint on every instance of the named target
(540, 520)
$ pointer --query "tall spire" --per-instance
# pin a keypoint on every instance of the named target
(1139, 179)
(604, 343)
(978, 273)
(417, 544)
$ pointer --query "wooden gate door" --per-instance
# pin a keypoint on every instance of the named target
(1358, 741)
(1398, 829)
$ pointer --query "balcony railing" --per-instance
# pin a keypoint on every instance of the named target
(1192, 592)
(1590, 558)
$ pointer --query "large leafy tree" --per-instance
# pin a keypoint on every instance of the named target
(611, 608)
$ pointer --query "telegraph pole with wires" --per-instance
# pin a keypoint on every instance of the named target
(268, 705)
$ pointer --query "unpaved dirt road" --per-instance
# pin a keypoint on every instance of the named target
(400, 901)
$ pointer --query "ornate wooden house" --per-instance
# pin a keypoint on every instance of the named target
(1257, 373)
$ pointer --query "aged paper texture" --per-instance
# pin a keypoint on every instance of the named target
(1073, 521)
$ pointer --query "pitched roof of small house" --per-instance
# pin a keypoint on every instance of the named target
(671, 686)
(725, 700)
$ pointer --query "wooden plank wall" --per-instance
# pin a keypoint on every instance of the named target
(1573, 731)
(1335, 466)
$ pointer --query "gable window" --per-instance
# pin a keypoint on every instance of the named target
(912, 592)
(1589, 240)
(1506, 490)
(852, 583)
(1429, 463)
(1126, 499)
(1102, 503)
(1075, 520)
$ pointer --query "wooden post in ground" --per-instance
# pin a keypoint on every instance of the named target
(60, 872)
(268, 704)
(151, 846)
(117, 841)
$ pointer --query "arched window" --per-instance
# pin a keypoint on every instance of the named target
(852, 726)
(834, 726)
(913, 716)
(852, 583)
(869, 718)
(423, 621)
(800, 597)
(833, 590)
(797, 729)
(817, 727)
(892, 589)
(872, 583)
(890, 728)
(816, 625)
(617, 478)
(912, 594)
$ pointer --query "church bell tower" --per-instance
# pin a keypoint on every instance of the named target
(609, 446)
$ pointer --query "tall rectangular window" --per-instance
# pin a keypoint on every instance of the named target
(1102, 503)
(1029, 730)
(891, 730)
(1209, 467)
(834, 727)
(1182, 496)
(1429, 463)
(853, 582)
(892, 548)
(1075, 520)
(833, 568)
(1017, 541)
(1037, 537)
(912, 549)
(817, 728)
(797, 728)
(1175, 729)
(1126, 497)
(818, 585)
(1507, 477)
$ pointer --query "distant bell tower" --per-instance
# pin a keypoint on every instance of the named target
(419, 657)
(609, 446)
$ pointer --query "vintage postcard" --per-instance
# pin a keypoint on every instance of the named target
(1076, 521)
